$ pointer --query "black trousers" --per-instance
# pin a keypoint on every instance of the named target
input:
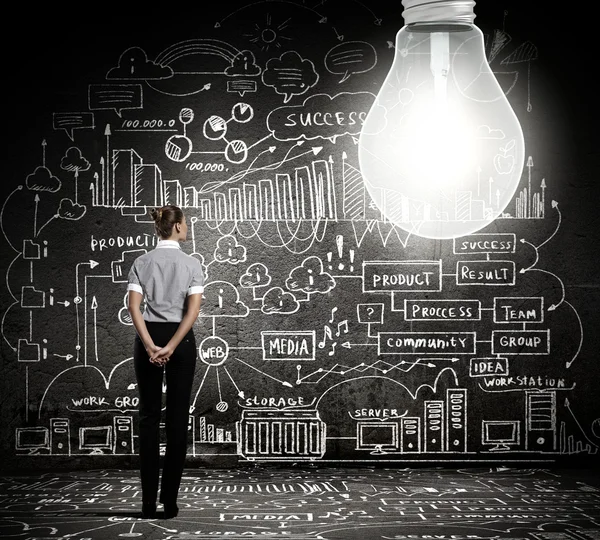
(179, 373)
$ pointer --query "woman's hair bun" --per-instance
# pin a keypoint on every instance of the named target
(156, 214)
(165, 218)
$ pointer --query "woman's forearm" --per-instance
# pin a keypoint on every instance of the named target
(140, 327)
(186, 323)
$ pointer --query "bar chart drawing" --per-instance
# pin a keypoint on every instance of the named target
(209, 434)
(308, 193)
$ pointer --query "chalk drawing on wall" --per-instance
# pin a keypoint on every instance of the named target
(326, 333)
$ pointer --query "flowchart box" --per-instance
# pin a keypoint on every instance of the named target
(442, 310)
(487, 366)
(516, 309)
(490, 273)
(426, 343)
(520, 342)
(402, 276)
(292, 345)
(485, 243)
(370, 313)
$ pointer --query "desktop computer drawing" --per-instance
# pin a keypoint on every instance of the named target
(60, 436)
(540, 430)
(32, 439)
(378, 437)
(123, 431)
(501, 434)
(96, 440)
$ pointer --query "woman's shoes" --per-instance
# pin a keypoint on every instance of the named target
(171, 510)
(148, 510)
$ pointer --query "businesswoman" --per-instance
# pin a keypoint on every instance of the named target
(170, 283)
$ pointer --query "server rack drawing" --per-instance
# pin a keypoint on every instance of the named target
(540, 421)
(434, 426)
(410, 435)
(281, 435)
(456, 420)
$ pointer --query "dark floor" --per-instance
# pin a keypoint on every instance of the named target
(310, 503)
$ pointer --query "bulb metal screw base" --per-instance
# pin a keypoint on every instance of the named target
(422, 11)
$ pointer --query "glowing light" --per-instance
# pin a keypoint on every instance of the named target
(441, 150)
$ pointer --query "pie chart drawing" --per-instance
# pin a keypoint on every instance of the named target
(483, 87)
(242, 112)
(215, 128)
(178, 148)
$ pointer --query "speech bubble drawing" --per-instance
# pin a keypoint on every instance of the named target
(70, 121)
(115, 96)
(241, 86)
(290, 75)
(350, 57)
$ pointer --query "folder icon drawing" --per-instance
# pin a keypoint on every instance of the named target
(32, 298)
(31, 250)
(120, 268)
(28, 352)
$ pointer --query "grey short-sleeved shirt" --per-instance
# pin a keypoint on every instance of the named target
(166, 276)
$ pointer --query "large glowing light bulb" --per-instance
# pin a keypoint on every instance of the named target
(441, 150)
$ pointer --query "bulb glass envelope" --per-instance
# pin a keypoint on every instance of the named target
(441, 151)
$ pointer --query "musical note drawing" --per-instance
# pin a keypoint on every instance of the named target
(332, 312)
(344, 325)
(327, 333)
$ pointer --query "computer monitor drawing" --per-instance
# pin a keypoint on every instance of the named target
(501, 434)
(97, 439)
(377, 436)
(32, 439)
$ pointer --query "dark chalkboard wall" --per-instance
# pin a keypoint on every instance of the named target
(305, 353)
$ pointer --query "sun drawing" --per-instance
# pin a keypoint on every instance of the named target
(268, 35)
